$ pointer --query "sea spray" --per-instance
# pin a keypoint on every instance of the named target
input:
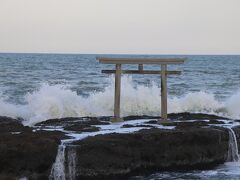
(233, 155)
(58, 101)
(58, 168)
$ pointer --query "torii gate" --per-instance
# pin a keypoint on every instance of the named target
(140, 61)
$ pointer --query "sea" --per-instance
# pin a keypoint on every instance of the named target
(37, 87)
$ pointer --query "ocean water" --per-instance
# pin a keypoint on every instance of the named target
(37, 87)
(227, 171)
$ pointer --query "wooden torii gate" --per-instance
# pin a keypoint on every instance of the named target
(140, 61)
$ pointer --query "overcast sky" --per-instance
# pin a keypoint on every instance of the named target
(120, 26)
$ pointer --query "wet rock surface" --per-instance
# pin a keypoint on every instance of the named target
(141, 125)
(122, 155)
(31, 151)
(180, 117)
(24, 152)
(82, 124)
(81, 128)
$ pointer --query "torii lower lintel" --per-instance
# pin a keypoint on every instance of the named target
(118, 71)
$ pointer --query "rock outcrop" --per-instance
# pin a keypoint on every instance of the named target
(24, 152)
(31, 151)
(115, 156)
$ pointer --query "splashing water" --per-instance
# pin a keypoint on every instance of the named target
(64, 168)
(58, 168)
(58, 101)
(71, 154)
(233, 155)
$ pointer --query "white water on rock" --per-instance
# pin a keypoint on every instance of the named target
(233, 155)
(71, 156)
(58, 168)
(59, 172)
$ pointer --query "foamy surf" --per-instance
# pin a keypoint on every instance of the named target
(58, 101)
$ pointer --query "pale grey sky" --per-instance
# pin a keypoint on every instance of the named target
(120, 26)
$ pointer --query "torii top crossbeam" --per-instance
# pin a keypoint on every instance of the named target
(140, 61)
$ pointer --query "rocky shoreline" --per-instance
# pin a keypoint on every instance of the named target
(190, 141)
(26, 152)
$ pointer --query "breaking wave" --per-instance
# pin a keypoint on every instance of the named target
(58, 101)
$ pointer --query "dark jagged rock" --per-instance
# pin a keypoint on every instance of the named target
(186, 124)
(81, 124)
(73, 121)
(81, 128)
(152, 122)
(127, 118)
(194, 116)
(131, 126)
(120, 155)
(8, 124)
(24, 152)
(180, 116)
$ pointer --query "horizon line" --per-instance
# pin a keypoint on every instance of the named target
(153, 54)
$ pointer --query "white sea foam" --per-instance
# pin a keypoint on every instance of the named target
(59, 101)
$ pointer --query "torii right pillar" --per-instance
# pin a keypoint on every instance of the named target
(164, 92)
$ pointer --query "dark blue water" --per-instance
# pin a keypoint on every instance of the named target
(22, 73)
